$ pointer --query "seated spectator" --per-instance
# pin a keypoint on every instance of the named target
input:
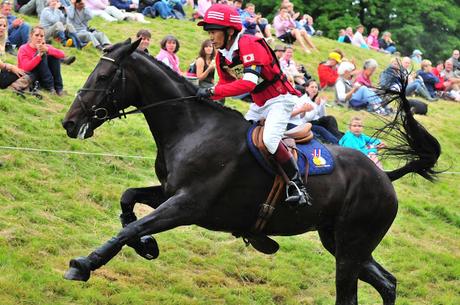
(42, 61)
(357, 95)
(373, 39)
(166, 9)
(287, 32)
(416, 56)
(9, 74)
(129, 7)
(289, 67)
(358, 38)
(437, 72)
(78, 16)
(311, 108)
(390, 78)
(18, 30)
(307, 24)
(327, 71)
(429, 79)
(167, 55)
(356, 139)
(264, 27)
(203, 6)
(205, 64)
(33, 7)
(248, 18)
(103, 9)
(386, 44)
(53, 21)
(279, 51)
(348, 35)
(451, 81)
(145, 35)
(455, 59)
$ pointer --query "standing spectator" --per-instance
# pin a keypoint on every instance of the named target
(417, 56)
(287, 32)
(342, 35)
(18, 30)
(327, 71)
(53, 21)
(167, 55)
(358, 38)
(455, 59)
(102, 8)
(356, 139)
(145, 35)
(42, 61)
(386, 44)
(373, 39)
(78, 16)
(205, 64)
(429, 79)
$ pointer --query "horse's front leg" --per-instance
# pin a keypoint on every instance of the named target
(178, 210)
(152, 196)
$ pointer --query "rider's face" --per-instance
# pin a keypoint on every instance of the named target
(217, 38)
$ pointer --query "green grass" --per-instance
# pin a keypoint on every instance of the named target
(54, 207)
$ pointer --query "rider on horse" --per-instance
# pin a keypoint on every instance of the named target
(273, 96)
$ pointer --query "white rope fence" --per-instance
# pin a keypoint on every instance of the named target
(107, 154)
(75, 152)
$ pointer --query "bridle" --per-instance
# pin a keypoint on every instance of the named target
(101, 113)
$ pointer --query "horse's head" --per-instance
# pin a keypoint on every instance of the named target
(104, 94)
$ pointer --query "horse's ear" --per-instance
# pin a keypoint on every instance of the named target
(134, 45)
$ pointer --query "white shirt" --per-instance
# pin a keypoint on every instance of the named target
(317, 112)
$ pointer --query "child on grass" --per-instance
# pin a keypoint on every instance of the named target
(356, 139)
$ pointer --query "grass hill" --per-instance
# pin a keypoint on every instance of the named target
(57, 206)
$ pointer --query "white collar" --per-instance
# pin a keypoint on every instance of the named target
(229, 54)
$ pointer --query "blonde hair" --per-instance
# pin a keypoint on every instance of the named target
(4, 38)
(355, 118)
(425, 63)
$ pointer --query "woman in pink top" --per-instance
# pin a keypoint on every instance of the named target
(373, 39)
(167, 55)
(286, 31)
(42, 61)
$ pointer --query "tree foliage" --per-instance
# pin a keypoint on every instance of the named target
(428, 25)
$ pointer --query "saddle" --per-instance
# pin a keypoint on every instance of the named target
(301, 134)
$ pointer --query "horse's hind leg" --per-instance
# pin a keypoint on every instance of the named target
(383, 281)
(152, 196)
(176, 211)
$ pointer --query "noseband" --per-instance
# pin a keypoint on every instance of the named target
(101, 113)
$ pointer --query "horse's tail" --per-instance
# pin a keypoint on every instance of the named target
(410, 141)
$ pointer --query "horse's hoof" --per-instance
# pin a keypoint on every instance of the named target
(147, 247)
(79, 269)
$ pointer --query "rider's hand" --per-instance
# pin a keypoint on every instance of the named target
(204, 93)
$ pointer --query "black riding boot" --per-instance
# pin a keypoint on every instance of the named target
(296, 192)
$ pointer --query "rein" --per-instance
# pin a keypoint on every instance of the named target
(102, 114)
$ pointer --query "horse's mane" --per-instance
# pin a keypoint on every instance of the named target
(188, 85)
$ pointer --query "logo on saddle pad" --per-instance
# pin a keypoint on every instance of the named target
(318, 160)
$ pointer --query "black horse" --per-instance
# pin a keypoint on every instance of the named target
(209, 178)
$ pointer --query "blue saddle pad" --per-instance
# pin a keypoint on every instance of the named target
(320, 159)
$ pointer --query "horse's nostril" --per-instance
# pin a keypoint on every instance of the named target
(68, 125)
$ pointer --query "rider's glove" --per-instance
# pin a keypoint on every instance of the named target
(204, 93)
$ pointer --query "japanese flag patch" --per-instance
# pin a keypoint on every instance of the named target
(248, 58)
